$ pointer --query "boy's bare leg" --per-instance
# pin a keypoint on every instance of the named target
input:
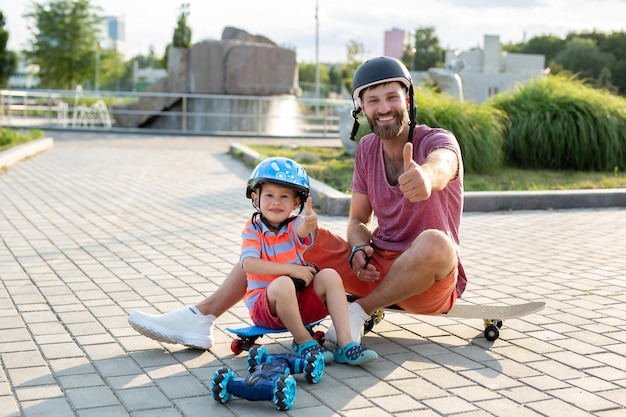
(328, 285)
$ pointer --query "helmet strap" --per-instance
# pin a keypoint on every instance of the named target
(355, 126)
(412, 112)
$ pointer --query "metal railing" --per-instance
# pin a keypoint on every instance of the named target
(204, 114)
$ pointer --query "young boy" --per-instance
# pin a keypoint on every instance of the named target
(279, 292)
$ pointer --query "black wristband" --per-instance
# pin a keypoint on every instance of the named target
(356, 249)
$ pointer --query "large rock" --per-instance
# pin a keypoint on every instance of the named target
(238, 64)
(234, 34)
(178, 66)
(206, 67)
(261, 70)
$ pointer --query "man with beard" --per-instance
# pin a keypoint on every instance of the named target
(410, 178)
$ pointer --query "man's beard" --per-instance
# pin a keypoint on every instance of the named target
(389, 131)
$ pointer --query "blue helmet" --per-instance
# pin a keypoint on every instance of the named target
(281, 171)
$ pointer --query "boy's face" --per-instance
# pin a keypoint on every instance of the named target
(275, 202)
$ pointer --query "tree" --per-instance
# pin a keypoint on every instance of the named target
(306, 73)
(425, 52)
(599, 57)
(8, 59)
(355, 56)
(582, 56)
(112, 69)
(64, 42)
(546, 45)
(334, 78)
(182, 33)
(306, 76)
(615, 44)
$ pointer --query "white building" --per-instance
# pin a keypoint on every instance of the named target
(484, 73)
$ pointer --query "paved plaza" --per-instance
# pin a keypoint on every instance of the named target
(101, 225)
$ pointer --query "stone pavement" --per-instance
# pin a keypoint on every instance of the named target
(101, 225)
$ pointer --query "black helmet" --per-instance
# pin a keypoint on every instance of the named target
(383, 69)
(377, 70)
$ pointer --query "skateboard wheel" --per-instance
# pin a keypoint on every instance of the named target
(375, 318)
(492, 333)
(236, 346)
(378, 316)
(284, 392)
(219, 385)
(319, 336)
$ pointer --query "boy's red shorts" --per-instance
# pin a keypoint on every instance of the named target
(311, 309)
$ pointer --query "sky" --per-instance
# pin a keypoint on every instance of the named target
(459, 24)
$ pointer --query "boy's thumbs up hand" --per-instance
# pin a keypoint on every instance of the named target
(414, 182)
(310, 217)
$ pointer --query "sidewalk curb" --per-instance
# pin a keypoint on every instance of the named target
(336, 203)
(544, 200)
(26, 150)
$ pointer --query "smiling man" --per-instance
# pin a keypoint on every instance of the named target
(411, 178)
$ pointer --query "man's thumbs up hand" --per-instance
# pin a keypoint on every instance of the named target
(407, 154)
(414, 182)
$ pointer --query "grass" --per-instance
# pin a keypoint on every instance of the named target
(10, 137)
(334, 168)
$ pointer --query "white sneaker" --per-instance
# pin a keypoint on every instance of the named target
(179, 326)
(357, 323)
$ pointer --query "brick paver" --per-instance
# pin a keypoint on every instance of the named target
(102, 224)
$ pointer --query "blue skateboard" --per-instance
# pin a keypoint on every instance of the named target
(247, 336)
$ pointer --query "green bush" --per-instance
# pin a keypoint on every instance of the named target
(478, 128)
(9, 137)
(558, 122)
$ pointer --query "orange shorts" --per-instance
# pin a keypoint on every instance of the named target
(332, 251)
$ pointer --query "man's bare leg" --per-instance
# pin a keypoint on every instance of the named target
(193, 326)
(229, 293)
(430, 258)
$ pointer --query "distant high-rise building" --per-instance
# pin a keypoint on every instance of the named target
(113, 33)
(395, 40)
